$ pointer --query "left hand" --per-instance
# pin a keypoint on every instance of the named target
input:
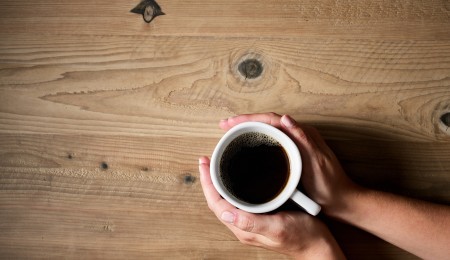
(293, 233)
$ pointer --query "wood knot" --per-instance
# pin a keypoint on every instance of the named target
(149, 10)
(252, 71)
(250, 68)
(445, 119)
(104, 166)
(188, 179)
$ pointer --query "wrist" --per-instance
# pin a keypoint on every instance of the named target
(346, 205)
(326, 248)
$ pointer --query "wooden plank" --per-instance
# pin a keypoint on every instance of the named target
(387, 19)
(148, 200)
(171, 160)
(183, 85)
(56, 225)
(144, 203)
(409, 168)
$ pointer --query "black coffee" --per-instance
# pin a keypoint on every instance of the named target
(254, 168)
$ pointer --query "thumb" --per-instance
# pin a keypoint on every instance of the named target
(253, 223)
(241, 220)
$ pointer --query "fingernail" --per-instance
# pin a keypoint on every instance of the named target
(227, 217)
(202, 160)
(287, 121)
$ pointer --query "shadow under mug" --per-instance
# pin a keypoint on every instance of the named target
(295, 169)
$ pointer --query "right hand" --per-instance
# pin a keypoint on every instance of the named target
(323, 178)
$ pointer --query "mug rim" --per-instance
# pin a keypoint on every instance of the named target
(291, 149)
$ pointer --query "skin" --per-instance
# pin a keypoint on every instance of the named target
(418, 227)
(292, 233)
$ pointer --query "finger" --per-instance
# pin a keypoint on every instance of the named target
(248, 238)
(224, 211)
(268, 118)
(297, 133)
(211, 194)
(280, 227)
(315, 137)
(227, 213)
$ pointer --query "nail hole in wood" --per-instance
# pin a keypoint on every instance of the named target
(445, 118)
(250, 68)
(104, 166)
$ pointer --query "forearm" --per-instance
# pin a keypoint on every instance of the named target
(419, 227)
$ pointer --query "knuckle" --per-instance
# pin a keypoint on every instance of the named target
(246, 224)
(284, 227)
(274, 118)
(300, 134)
(321, 161)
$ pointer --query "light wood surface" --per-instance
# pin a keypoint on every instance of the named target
(103, 116)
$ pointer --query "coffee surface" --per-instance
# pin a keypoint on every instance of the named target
(254, 168)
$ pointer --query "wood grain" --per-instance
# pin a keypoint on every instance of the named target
(402, 86)
(103, 117)
(405, 19)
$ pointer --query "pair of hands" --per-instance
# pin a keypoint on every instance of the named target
(293, 233)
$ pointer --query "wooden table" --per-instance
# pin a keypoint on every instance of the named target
(103, 116)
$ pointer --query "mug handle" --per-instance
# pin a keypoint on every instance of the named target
(306, 203)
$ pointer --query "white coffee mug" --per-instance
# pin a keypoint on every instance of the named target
(295, 169)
